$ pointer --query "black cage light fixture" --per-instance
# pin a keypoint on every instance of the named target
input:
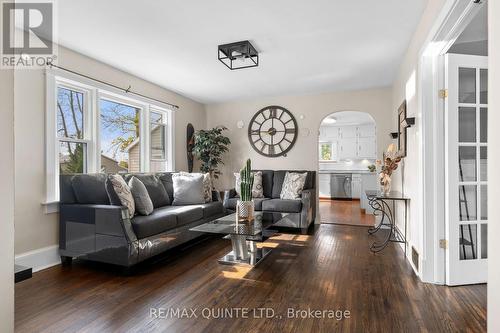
(238, 55)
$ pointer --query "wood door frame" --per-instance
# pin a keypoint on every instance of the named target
(449, 24)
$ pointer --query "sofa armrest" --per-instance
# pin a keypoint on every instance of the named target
(228, 194)
(308, 212)
(107, 219)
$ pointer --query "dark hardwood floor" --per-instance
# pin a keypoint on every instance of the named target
(331, 269)
(344, 212)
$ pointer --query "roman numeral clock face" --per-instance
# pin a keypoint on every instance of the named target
(272, 131)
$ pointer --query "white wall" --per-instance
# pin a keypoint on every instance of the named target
(35, 229)
(405, 87)
(304, 155)
(7, 201)
(494, 176)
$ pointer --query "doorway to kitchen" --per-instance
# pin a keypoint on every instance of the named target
(347, 150)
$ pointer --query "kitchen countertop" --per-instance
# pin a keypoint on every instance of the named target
(347, 171)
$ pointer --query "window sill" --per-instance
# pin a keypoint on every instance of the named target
(51, 207)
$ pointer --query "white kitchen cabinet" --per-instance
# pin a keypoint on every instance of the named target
(328, 133)
(366, 131)
(347, 149)
(324, 185)
(369, 182)
(348, 132)
(367, 148)
(356, 186)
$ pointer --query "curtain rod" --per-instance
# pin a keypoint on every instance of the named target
(128, 91)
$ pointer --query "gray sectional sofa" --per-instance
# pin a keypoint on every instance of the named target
(301, 213)
(95, 226)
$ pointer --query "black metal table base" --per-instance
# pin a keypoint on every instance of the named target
(382, 208)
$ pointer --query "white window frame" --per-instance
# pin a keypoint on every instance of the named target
(94, 91)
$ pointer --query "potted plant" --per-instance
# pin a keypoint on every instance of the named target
(209, 147)
(245, 206)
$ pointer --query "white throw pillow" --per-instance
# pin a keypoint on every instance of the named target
(257, 189)
(207, 184)
(123, 192)
(188, 190)
(293, 184)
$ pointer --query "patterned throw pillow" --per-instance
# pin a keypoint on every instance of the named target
(207, 184)
(143, 203)
(293, 184)
(123, 192)
(257, 189)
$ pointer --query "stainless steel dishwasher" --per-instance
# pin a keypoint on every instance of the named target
(340, 186)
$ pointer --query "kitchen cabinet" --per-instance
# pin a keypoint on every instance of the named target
(353, 142)
(366, 148)
(356, 186)
(329, 133)
(366, 131)
(347, 149)
(324, 185)
(348, 132)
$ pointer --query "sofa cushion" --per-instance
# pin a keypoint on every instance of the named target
(257, 189)
(123, 192)
(156, 190)
(231, 203)
(279, 177)
(112, 196)
(90, 189)
(159, 221)
(267, 183)
(185, 214)
(143, 203)
(282, 205)
(66, 193)
(166, 180)
(188, 189)
(293, 185)
(211, 208)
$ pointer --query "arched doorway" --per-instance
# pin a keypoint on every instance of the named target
(347, 146)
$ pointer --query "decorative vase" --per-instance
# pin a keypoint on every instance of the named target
(385, 184)
(245, 211)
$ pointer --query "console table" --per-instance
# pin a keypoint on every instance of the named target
(384, 205)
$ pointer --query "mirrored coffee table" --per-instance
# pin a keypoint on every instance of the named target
(244, 237)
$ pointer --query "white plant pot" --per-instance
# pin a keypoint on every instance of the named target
(245, 210)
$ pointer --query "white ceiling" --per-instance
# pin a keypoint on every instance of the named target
(306, 46)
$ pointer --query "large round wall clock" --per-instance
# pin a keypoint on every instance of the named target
(273, 131)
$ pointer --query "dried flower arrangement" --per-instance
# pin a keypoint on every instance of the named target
(390, 163)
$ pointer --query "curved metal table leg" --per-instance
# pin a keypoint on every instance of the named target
(385, 209)
(377, 211)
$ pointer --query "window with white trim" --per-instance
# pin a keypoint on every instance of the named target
(92, 127)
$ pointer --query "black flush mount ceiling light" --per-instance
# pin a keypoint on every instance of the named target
(238, 55)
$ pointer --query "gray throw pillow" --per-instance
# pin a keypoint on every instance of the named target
(188, 190)
(143, 203)
(123, 192)
(293, 184)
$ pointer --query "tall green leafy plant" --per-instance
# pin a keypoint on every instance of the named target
(209, 147)
(246, 182)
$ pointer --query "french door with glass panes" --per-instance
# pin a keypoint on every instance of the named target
(466, 173)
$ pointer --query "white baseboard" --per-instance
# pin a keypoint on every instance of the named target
(39, 259)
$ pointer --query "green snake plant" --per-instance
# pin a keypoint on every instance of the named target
(246, 184)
